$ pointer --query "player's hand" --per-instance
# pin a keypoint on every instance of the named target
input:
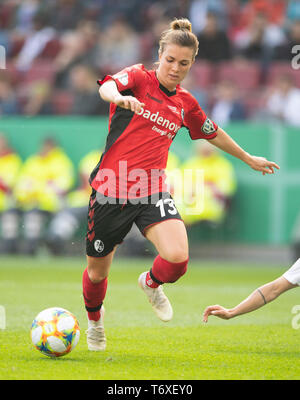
(217, 311)
(129, 103)
(262, 164)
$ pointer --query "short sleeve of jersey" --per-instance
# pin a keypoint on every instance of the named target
(128, 78)
(198, 124)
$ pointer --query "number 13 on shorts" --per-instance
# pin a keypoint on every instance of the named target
(171, 209)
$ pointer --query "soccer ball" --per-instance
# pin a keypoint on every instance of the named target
(55, 332)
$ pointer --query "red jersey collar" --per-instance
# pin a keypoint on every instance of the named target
(163, 88)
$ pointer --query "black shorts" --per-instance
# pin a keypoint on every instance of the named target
(108, 224)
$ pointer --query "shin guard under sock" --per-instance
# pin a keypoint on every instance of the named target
(164, 271)
(93, 294)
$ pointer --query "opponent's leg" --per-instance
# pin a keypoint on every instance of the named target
(94, 284)
(170, 239)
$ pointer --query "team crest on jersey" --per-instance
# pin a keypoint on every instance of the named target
(208, 127)
(123, 78)
(99, 245)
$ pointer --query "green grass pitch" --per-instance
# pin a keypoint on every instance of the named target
(259, 345)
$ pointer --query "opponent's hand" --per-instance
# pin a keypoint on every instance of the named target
(129, 103)
(217, 311)
(262, 164)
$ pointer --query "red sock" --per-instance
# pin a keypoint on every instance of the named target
(150, 282)
(93, 294)
(164, 271)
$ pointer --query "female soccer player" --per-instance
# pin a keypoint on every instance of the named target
(148, 107)
(261, 296)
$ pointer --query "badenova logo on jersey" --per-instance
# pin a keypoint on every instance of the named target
(171, 127)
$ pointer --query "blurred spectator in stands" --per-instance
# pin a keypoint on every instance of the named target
(7, 13)
(257, 41)
(199, 10)
(209, 202)
(283, 101)
(43, 182)
(214, 44)
(119, 46)
(190, 84)
(77, 46)
(66, 14)
(150, 44)
(37, 98)
(24, 15)
(274, 10)
(133, 11)
(293, 10)
(35, 42)
(86, 99)
(227, 105)
(283, 52)
(9, 104)
(66, 222)
(110, 37)
(10, 164)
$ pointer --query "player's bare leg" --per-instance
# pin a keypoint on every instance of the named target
(170, 239)
(98, 267)
(94, 290)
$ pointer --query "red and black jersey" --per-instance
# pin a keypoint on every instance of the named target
(137, 145)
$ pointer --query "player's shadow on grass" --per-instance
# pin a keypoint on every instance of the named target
(55, 359)
(91, 357)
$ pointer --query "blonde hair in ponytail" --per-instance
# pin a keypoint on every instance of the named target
(179, 33)
(181, 24)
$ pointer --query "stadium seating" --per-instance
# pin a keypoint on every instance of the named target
(51, 49)
(203, 74)
(245, 74)
(253, 100)
(16, 46)
(40, 70)
(282, 68)
(6, 14)
(11, 72)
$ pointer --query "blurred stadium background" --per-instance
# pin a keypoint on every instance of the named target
(246, 77)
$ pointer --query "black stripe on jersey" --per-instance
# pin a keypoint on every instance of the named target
(119, 122)
(155, 99)
(166, 91)
(183, 126)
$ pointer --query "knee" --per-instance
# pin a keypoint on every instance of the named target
(176, 255)
(168, 272)
(96, 272)
(178, 270)
(96, 276)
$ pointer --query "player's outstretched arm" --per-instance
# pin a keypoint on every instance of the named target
(109, 92)
(261, 296)
(227, 144)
